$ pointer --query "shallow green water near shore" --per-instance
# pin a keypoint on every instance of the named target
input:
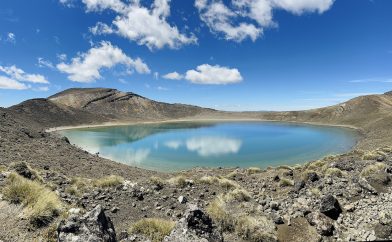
(183, 145)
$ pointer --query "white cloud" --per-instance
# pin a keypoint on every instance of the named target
(19, 75)
(173, 76)
(248, 18)
(218, 75)
(86, 67)
(160, 88)
(8, 83)
(145, 26)
(44, 63)
(207, 74)
(213, 146)
(62, 57)
(11, 38)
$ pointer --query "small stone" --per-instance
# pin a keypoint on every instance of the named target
(182, 199)
(274, 205)
(115, 210)
(349, 207)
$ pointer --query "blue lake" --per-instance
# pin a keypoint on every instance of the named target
(183, 145)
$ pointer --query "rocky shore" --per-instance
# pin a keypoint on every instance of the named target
(53, 191)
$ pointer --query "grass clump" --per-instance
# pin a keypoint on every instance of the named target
(221, 181)
(372, 169)
(41, 204)
(227, 184)
(179, 181)
(316, 192)
(209, 180)
(238, 194)
(253, 170)
(254, 229)
(109, 181)
(3, 168)
(232, 175)
(218, 212)
(154, 228)
(284, 182)
(157, 181)
(333, 171)
(315, 165)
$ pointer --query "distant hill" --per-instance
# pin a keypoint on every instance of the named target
(97, 105)
(372, 114)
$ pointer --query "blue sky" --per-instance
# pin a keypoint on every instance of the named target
(229, 55)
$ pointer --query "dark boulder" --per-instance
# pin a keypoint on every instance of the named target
(195, 226)
(299, 185)
(312, 176)
(329, 206)
(93, 226)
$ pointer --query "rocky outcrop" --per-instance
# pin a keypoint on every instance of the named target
(329, 206)
(93, 226)
(196, 226)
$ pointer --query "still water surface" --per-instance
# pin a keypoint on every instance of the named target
(183, 145)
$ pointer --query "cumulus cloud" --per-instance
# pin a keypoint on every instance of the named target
(173, 76)
(8, 83)
(207, 74)
(14, 78)
(19, 75)
(213, 146)
(144, 25)
(248, 18)
(86, 67)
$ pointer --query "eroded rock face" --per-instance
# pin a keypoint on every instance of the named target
(196, 226)
(329, 206)
(94, 226)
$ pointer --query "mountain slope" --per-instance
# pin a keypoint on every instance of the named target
(97, 105)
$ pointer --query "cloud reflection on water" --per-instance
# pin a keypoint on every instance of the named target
(213, 146)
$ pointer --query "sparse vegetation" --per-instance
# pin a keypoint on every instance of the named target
(238, 194)
(222, 181)
(232, 174)
(109, 181)
(372, 169)
(157, 181)
(179, 181)
(41, 204)
(253, 170)
(23, 169)
(284, 182)
(315, 165)
(316, 192)
(2, 168)
(254, 228)
(153, 228)
(335, 172)
(218, 212)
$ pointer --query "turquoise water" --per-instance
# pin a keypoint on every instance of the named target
(183, 145)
